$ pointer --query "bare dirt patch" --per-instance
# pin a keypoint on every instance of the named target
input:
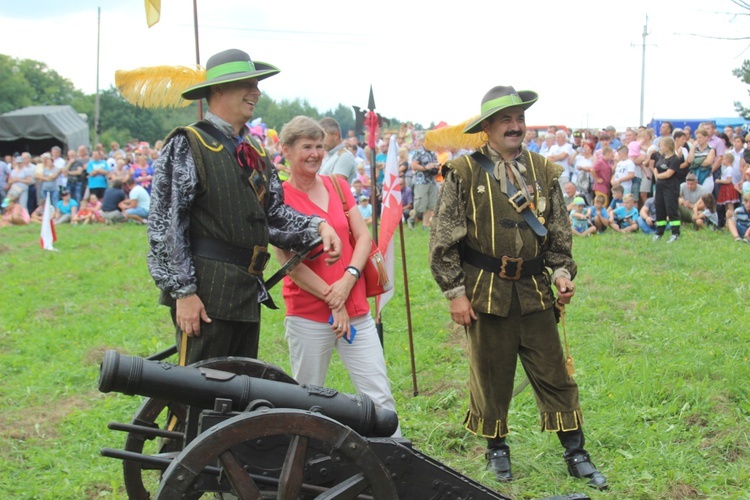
(681, 491)
(95, 355)
(39, 422)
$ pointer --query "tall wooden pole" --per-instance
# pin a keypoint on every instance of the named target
(408, 309)
(197, 52)
(96, 99)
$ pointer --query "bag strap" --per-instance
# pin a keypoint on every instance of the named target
(337, 187)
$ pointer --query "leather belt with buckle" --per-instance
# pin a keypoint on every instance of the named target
(254, 260)
(508, 268)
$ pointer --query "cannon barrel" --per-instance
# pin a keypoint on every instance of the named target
(200, 387)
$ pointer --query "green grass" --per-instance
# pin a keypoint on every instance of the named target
(659, 334)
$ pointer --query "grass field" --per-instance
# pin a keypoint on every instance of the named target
(659, 334)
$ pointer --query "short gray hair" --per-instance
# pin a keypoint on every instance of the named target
(330, 125)
(300, 127)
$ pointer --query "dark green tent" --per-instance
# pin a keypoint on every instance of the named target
(37, 128)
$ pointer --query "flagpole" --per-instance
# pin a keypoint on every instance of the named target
(197, 52)
(408, 310)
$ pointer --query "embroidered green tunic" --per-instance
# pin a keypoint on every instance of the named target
(473, 210)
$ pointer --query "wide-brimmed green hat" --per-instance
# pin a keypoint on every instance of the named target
(497, 99)
(229, 66)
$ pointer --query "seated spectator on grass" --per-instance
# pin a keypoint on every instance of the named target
(600, 214)
(84, 214)
(704, 213)
(96, 208)
(739, 224)
(624, 171)
(137, 205)
(365, 209)
(744, 186)
(617, 201)
(66, 209)
(111, 204)
(625, 218)
(647, 217)
(14, 214)
(580, 218)
(690, 194)
(37, 216)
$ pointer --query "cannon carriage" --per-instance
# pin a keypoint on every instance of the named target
(258, 434)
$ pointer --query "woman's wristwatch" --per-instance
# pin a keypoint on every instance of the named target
(353, 271)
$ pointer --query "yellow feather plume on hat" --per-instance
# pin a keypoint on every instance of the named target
(158, 86)
(452, 137)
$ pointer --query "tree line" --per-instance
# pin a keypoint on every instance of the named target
(26, 82)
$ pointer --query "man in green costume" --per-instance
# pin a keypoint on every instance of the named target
(216, 205)
(502, 237)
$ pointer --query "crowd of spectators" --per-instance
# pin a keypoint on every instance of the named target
(625, 182)
(608, 180)
(84, 187)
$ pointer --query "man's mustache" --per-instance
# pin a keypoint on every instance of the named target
(513, 133)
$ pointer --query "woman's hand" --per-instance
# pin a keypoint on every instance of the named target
(339, 291)
(340, 324)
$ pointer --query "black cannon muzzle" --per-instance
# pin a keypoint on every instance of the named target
(201, 386)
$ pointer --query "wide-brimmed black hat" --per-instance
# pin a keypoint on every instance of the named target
(497, 99)
(231, 65)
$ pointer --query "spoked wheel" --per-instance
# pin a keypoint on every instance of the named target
(276, 453)
(141, 479)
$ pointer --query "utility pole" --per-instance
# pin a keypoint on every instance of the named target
(643, 69)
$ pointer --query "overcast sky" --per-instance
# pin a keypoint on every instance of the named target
(426, 61)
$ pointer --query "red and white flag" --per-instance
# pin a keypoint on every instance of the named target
(48, 236)
(390, 216)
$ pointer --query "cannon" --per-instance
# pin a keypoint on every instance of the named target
(241, 428)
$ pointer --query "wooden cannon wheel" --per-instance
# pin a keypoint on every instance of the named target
(139, 478)
(306, 432)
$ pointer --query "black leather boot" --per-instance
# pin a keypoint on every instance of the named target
(578, 460)
(498, 459)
